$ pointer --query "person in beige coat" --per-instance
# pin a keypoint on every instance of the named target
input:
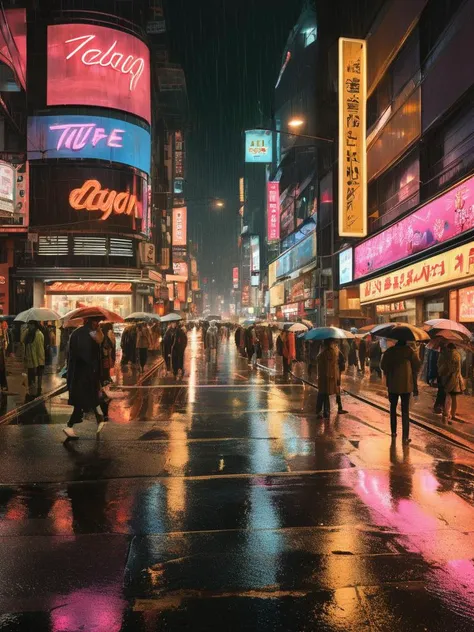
(328, 377)
(400, 365)
(449, 371)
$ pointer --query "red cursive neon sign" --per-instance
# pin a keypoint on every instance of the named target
(91, 197)
(127, 65)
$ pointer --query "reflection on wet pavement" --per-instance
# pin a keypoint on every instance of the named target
(223, 503)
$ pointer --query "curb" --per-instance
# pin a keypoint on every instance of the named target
(59, 390)
(417, 421)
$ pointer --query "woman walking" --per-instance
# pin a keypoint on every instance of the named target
(34, 357)
(449, 370)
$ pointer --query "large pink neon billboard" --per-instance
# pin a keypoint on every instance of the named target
(95, 65)
(434, 223)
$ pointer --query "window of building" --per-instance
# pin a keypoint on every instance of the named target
(435, 18)
(310, 35)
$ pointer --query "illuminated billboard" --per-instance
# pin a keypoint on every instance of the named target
(235, 278)
(433, 223)
(258, 145)
(345, 266)
(352, 140)
(99, 137)
(254, 260)
(179, 236)
(87, 198)
(447, 270)
(273, 211)
(98, 66)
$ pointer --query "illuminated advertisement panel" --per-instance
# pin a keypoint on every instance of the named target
(82, 197)
(258, 146)
(99, 66)
(297, 257)
(434, 223)
(448, 269)
(179, 226)
(73, 136)
(352, 138)
(254, 260)
(13, 43)
(14, 193)
(235, 278)
(345, 266)
(273, 211)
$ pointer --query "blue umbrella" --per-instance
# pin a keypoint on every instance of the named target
(324, 333)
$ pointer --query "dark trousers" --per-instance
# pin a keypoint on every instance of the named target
(440, 397)
(178, 362)
(286, 365)
(322, 404)
(78, 412)
(3, 378)
(405, 399)
(142, 356)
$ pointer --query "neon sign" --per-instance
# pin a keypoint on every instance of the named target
(91, 197)
(100, 66)
(99, 137)
(127, 65)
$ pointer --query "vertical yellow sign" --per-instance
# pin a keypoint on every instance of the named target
(352, 138)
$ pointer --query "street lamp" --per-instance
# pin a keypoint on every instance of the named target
(300, 122)
(295, 122)
(220, 204)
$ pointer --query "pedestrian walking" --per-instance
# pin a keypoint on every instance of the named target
(328, 377)
(342, 367)
(83, 376)
(178, 347)
(400, 365)
(128, 344)
(34, 356)
(449, 370)
(375, 357)
(167, 345)
(250, 343)
(3, 359)
(107, 353)
(362, 354)
(212, 342)
(352, 356)
(283, 349)
(143, 344)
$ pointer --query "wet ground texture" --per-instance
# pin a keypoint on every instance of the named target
(222, 503)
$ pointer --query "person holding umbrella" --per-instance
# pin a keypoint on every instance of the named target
(83, 375)
(400, 365)
(329, 377)
(449, 371)
(179, 341)
(33, 340)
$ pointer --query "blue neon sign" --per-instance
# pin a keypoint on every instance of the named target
(100, 137)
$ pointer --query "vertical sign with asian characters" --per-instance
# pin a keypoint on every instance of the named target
(179, 226)
(352, 138)
(235, 278)
(273, 211)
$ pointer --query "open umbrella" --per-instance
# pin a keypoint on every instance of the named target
(295, 327)
(326, 333)
(446, 324)
(37, 313)
(365, 329)
(136, 316)
(308, 323)
(400, 331)
(171, 318)
(92, 312)
(436, 342)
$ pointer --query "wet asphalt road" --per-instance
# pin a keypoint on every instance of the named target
(222, 503)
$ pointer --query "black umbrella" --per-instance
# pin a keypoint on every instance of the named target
(400, 331)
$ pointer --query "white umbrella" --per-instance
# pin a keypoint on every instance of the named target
(142, 316)
(37, 313)
(296, 327)
(171, 318)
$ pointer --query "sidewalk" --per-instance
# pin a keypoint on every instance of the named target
(373, 390)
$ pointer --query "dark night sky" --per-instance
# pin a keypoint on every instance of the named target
(231, 52)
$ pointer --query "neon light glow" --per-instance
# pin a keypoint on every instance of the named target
(99, 66)
(97, 137)
(91, 197)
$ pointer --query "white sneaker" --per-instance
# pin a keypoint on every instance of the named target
(69, 432)
(100, 427)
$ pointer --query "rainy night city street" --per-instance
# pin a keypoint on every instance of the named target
(236, 316)
(222, 501)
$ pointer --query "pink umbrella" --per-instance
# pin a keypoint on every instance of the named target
(447, 324)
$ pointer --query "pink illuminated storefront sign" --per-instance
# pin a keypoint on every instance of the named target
(434, 223)
(273, 211)
(96, 65)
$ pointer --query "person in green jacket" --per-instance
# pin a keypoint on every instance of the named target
(34, 356)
